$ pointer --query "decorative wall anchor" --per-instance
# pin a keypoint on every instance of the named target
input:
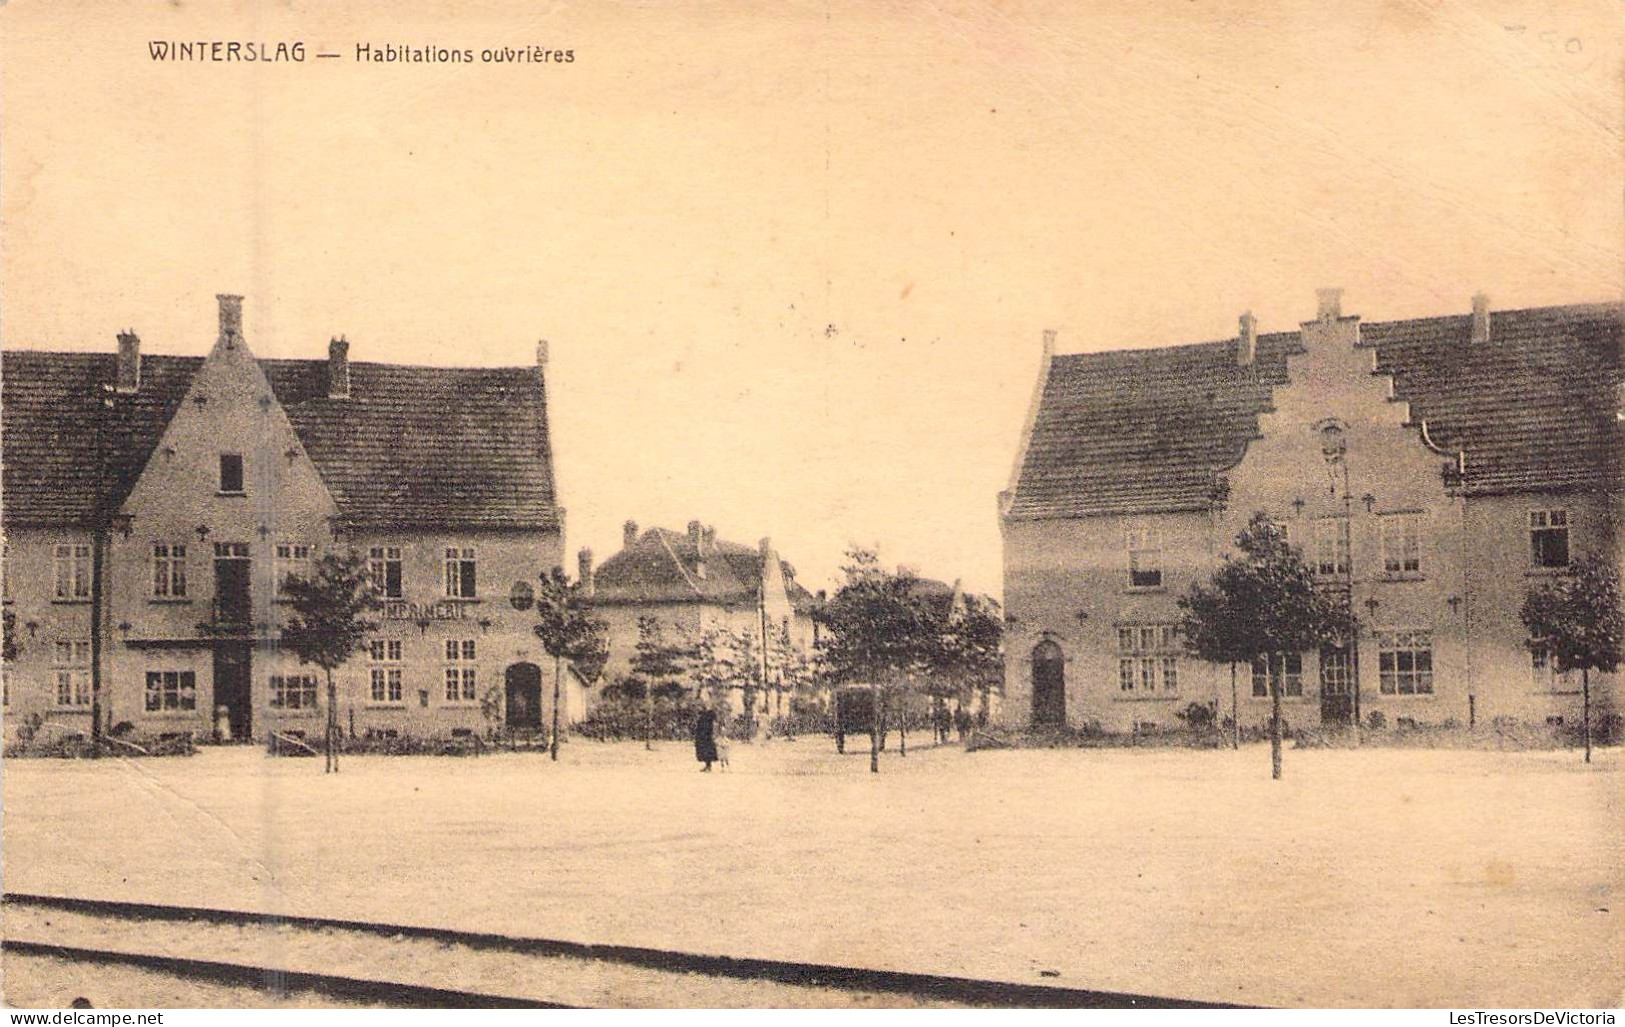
(1369, 500)
(202, 531)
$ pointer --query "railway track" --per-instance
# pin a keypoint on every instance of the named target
(287, 959)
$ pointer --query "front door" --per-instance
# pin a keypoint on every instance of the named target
(524, 697)
(1049, 686)
(1336, 686)
(233, 674)
(231, 582)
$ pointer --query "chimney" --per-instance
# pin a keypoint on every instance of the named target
(541, 353)
(696, 534)
(1049, 342)
(338, 368)
(129, 362)
(1481, 318)
(629, 534)
(1330, 304)
(231, 318)
(1247, 340)
(584, 570)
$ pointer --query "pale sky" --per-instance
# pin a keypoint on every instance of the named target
(794, 260)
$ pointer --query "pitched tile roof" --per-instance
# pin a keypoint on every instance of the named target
(660, 566)
(1150, 430)
(421, 447)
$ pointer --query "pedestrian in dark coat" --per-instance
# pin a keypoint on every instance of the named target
(705, 738)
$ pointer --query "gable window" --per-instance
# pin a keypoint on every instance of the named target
(70, 664)
(1278, 670)
(384, 568)
(293, 691)
(1331, 545)
(460, 572)
(1401, 543)
(292, 561)
(1545, 669)
(72, 563)
(1148, 659)
(171, 690)
(231, 474)
(1549, 537)
(462, 683)
(385, 671)
(1144, 558)
(168, 570)
(1405, 662)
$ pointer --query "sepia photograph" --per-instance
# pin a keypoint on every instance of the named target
(843, 504)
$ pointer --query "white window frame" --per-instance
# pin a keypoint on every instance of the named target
(1331, 546)
(287, 561)
(1400, 540)
(1282, 669)
(456, 559)
(298, 687)
(385, 672)
(1550, 521)
(1543, 671)
(169, 570)
(462, 671)
(1393, 646)
(71, 566)
(1147, 660)
(378, 560)
(170, 691)
(70, 667)
(1144, 548)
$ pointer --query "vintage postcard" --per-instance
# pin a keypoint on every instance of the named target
(838, 504)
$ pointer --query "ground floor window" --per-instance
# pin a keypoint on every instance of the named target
(385, 670)
(1405, 662)
(1335, 675)
(1280, 670)
(1148, 659)
(171, 690)
(462, 684)
(71, 666)
(1543, 669)
(293, 691)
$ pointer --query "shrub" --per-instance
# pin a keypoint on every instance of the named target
(1377, 721)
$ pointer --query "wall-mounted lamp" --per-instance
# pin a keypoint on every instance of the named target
(202, 532)
(1298, 505)
(1455, 603)
(124, 626)
(1371, 605)
(32, 627)
(1369, 500)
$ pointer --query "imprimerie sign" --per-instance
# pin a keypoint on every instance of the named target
(444, 610)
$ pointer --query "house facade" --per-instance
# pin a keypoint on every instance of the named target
(1432, 470)
(154, 505)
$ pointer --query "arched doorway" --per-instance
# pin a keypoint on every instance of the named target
(524, 697)
(1049, 685)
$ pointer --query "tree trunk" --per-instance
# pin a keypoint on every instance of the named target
(648, 717)
(332, 724)
(902, 726)
(1275, 728)
(874, 728)
(1585, 688)
(1235, 710)
(558, 685)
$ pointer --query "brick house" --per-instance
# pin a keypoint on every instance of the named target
(1434, 469)
(154, 504)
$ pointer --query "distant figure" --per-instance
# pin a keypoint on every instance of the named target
(705, 738)
(723, 744)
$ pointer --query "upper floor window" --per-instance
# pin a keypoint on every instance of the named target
(1148, 659)
(169, 570)
(292, 561)
(1331, 545)
(1279, 670)
(1144, 557)
(70, 662)
(231, 473)
(1549, 537)
(1401, 543)
(460, 573)
(1405, 662)
(384, 568)
(72, 571)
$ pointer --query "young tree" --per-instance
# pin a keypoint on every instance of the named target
(657, 662)
(973, 651)
(1263, 602)
(1580, 620)
(568, 632)
(328, 623)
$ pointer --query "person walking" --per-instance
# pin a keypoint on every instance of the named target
(705, 738)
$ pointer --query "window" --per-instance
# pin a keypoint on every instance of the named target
(171, 690)
(292, 560)
(1336, 677)
(461, 680)
(1278, 670)
(168, 570)
(1549, 537)
(1331, 545)
(72, 571)
(231, 473)
(293, 691)
(385, 670)
(1401, 543)
(1148, 659)
(71, 663)
(1144, 558)
(1544, 669)
(1405, 662)
(460, 577)
(384, 567)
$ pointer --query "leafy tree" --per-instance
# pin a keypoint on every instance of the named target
(657, 661)
(568, 632)
(10, 650)
(1580, 620)
(971, 651)
(1263, 602)
(328, 623)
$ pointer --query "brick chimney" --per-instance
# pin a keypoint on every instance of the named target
(541, 353)
(584, 570)
(1481, 318)
(338, 368)
(129, 363)
(1247, 340)
(1329, 304)
(629, 534)
(231, 318)
(1049, 342)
